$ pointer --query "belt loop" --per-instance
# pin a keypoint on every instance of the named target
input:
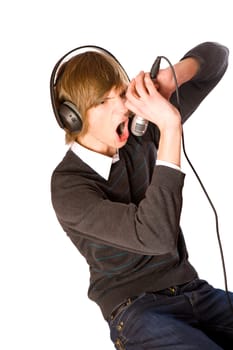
(173, 290)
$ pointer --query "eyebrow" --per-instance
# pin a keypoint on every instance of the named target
(119, 91)
(108, 98)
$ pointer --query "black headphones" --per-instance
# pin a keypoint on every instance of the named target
(66, 113)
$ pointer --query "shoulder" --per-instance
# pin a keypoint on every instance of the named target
(70, 174)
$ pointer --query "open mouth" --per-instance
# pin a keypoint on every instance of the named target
(122, 131)
(120, 128)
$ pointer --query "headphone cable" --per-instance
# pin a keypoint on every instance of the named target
(202, 186)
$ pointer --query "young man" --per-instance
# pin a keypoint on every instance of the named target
(119, 199)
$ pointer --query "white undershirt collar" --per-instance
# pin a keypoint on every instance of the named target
(99, 162)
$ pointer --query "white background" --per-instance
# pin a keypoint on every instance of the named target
(44, 280)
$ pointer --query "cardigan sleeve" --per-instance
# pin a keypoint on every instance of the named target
(213, 58)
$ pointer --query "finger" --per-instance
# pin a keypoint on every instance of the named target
(133, 108)
(132, 93)
(140, 84)
(150, 85)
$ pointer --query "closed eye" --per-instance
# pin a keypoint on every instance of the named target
(123, 94)
(101, 101)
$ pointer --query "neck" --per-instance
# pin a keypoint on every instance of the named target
(96, 147)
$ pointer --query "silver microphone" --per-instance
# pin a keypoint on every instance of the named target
(139, 124)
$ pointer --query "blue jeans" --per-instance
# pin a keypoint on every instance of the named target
(193, 316)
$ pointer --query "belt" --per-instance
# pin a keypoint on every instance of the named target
(171, 291)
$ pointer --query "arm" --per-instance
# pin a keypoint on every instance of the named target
(145, 100)
(185, 70)
(198, 72)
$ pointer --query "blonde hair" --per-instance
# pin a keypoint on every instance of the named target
(84, 80)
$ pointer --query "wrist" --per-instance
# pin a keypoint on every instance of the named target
(186, 69)
(171, 124)
(170, 145)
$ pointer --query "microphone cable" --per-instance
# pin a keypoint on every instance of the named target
(202, 186)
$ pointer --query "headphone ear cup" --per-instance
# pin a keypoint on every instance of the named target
(70, 117)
